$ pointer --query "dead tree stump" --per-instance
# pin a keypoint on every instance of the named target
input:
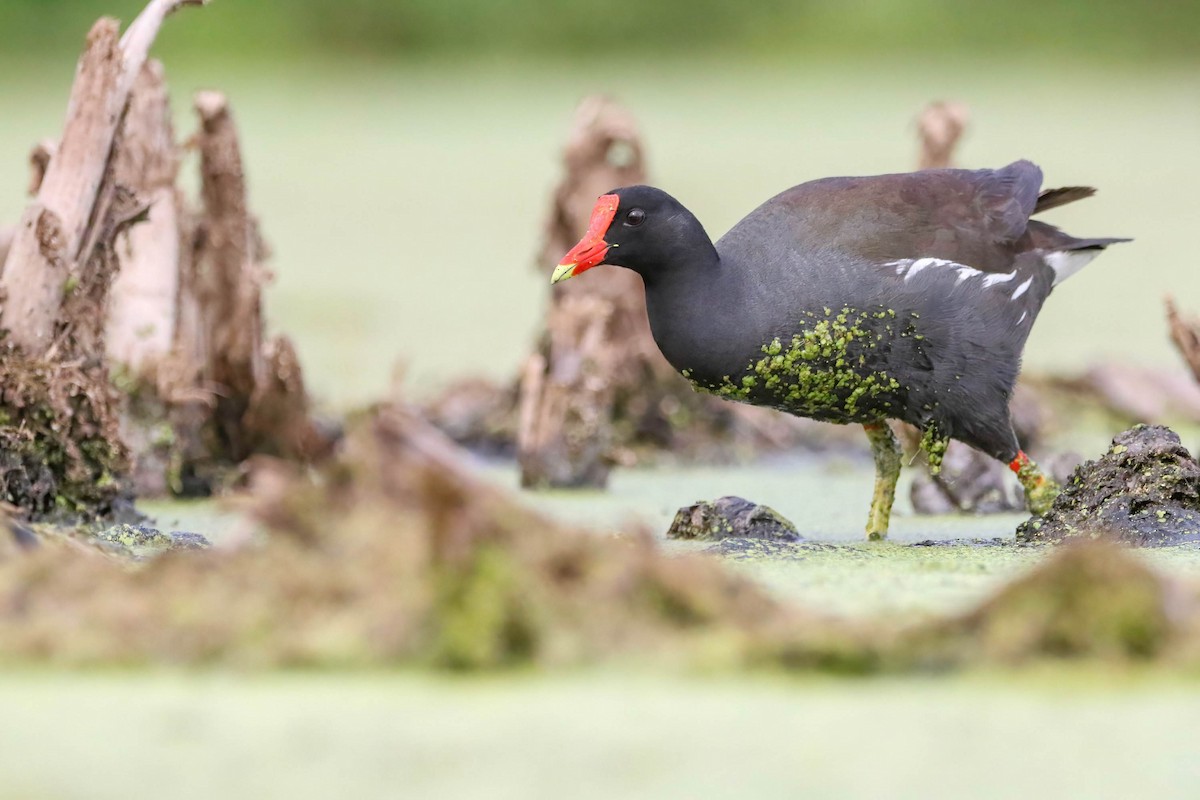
(596, 331)
(62, 452)
(173, 303)
(939, 127)
(231, 393)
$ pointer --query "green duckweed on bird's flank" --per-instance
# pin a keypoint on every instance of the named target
(824, 371)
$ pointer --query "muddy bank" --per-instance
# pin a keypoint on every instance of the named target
(398, 555)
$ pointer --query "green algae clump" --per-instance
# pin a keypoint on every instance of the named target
(822, 372)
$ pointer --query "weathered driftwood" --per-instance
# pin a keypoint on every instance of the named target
(939, 127)
(1185, 334)
(225, 281)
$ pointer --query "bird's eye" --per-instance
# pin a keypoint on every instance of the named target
(635, 217)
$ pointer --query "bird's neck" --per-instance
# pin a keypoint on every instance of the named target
(687, 307)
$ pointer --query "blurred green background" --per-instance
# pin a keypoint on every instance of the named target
(1103, 29)
(401, 154)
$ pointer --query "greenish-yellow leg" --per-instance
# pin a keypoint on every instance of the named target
(886, 450)
(1040, 488)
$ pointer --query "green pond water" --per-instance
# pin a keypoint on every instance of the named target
(593, 736)
(404, 203)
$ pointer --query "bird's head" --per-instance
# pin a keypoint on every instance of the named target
(638, 227)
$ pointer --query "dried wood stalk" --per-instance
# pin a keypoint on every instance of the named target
(62, 450)
(6, 240)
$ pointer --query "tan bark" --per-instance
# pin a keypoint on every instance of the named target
(6, 240)
(566, 416)
(39, 162)
(142, 303)
(939, 127)
(76, 199)
(1185, 334)
(224, 328)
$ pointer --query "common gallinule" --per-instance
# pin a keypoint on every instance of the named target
(905, 296)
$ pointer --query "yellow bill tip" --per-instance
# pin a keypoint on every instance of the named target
(562, 272)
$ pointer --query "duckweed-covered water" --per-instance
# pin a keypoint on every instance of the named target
(404, 203)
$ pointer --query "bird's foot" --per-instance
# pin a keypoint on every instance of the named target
(1040, 488)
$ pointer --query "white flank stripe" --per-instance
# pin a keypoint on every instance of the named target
(908, 267)
(1024, 314)
(1021, 289)
(912, 266)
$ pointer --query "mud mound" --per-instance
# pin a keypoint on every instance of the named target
(396, 555)
(1093, 599)
(1144, 491)
(730, 517)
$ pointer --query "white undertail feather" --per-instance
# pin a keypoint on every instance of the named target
(1066, 263)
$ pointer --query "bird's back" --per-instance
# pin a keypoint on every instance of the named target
(911, 295)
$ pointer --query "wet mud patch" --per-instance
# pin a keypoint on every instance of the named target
(745, 548)
(994, 541)
(1144, 491)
